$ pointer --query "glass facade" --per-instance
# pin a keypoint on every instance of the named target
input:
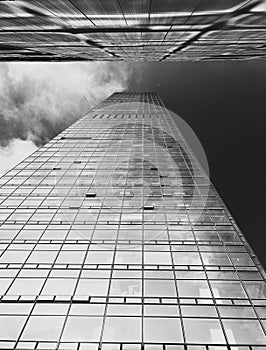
(132, 30)
(112, 237)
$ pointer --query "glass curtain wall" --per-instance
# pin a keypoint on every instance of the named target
(112, 237)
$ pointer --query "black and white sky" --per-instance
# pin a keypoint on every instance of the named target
(223, 102)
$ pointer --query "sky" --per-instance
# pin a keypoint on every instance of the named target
(223, 103)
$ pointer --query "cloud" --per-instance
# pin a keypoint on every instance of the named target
(39, 100)
(14, 153)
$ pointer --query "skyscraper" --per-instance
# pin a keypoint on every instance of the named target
(112, 237)
(131, 30)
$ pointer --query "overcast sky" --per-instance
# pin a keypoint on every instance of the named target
(223, 102)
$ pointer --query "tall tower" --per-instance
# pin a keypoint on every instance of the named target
(132, 30)
(112, 237)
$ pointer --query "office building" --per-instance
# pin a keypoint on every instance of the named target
(132, 30)
(113, 238)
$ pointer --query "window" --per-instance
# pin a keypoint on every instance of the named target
(198, 310)
(244, 332)
(165, 330)
(99, 257)
(157, 258)
(232, 289)
(203, 331)
(125, 287)
(128, 257)
(87, 309)
(14, 257)
(261, 311)
(241, 259)
(124, 309)
(82, 329)
(236, 311)
(161, 310)
(55, 234)
(186, 258)
(43, 328)
(189, 288)
(4, 284)
(122, 329)
(57, 286)
(50, 309)
(222, 275)
(42, 257)
(181, 235)
(92, 287)
(215, 259)
(160, 288)
(30, 234)
(11, 326)
(70, 258)
(256, 290)
(26, 286)
(15, 308)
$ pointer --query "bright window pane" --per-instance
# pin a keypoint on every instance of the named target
(56, 286)
(236, 311)
(14, 257)
(161, 310)
(11, 326)
(40, 257)
(92, 287)
(185, 258)
(43, 328)
(215, 259)
(160, 288)
(198, 310)
(232, 289)
(99, 257)
(122, 329)
(50, 309)
(157, 258)
(87, 309)
(26, 286)
(128, 258)
(244, 332)
(124, 309)
(166, 330)
(203, 331)
(189, 288)
(256, 290)
(126, 287)
(4, 284)
(82, 329)
(70, 258)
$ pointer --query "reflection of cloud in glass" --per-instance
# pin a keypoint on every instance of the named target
(154, 169)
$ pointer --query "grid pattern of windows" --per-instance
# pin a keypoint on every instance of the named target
(154, 30)
(111, 236)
